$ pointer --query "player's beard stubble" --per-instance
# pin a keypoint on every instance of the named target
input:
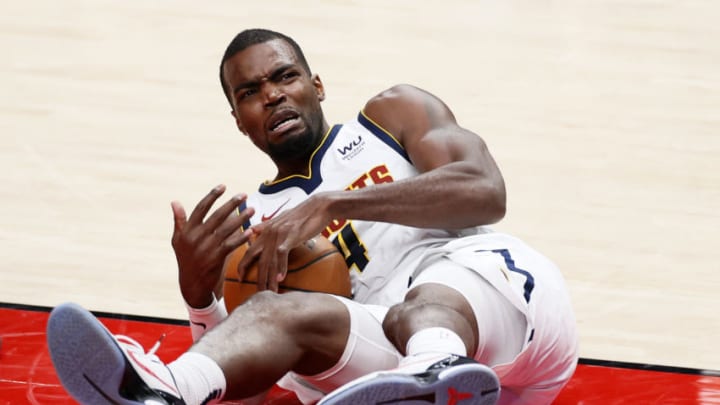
(300, 145)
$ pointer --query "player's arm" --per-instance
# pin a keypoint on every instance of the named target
(201, 242)
(460, 184)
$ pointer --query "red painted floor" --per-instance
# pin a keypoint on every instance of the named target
(27, 376)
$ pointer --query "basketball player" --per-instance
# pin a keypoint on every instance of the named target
(445, 310)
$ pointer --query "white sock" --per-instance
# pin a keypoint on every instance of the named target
(430, 343)
(198, 378)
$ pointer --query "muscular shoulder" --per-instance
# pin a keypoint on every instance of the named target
(405, 108)
(399, 93)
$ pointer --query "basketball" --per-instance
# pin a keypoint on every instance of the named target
(315, 266)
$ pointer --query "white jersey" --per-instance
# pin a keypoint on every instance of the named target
(352, 156)
(383, 257)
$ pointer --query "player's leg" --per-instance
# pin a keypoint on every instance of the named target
(437, 328)
(450, 297)
(432, 305)
(243, 355)
(367, 350)
(532, 359)
(272, 334)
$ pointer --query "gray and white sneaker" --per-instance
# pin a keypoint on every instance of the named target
(453, 380)
(96, 367)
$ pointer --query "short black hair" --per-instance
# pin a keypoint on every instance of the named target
(251, 37)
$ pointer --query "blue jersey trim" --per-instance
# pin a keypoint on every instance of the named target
(529, 279)
(242, 207)
(314, 178)
(383, 135)
(529, 285)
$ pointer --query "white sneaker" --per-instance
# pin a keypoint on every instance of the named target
(96, 367)
(454, 380)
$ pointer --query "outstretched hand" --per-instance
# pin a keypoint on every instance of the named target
(201, 245)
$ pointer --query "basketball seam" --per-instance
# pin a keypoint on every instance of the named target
(324, 255)
(287, 288)
(315, 260)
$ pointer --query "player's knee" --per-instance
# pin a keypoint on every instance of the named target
(260, 306)
(429, 305)
(295, 310)
(417, 302)
(262, 299)
(276, 304)
(398, 321)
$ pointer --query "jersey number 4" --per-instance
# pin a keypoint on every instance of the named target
(352, 248)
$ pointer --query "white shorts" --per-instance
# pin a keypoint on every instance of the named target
(501, 327)
(525, 321)
(518, 282)
(367, 350)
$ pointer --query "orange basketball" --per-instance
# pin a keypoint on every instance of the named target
(316, 265)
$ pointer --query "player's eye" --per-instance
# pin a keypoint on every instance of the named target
(288, 75)
(246, 93)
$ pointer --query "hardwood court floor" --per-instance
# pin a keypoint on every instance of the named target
(602, 114)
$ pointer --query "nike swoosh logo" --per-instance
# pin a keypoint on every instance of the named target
(131, 357)
(264, 218)
(172, 389)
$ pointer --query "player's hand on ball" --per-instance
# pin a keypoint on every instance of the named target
(277, 237)
(316, 265)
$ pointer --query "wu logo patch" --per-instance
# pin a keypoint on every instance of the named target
(352, 148)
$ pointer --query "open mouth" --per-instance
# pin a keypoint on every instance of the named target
(283, 120)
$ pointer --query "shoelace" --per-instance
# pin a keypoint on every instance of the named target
(156, 346)
(150, 359)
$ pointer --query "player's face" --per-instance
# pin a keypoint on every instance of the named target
(275, 101)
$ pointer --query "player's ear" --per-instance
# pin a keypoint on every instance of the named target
(319, 87)
(237, 122)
